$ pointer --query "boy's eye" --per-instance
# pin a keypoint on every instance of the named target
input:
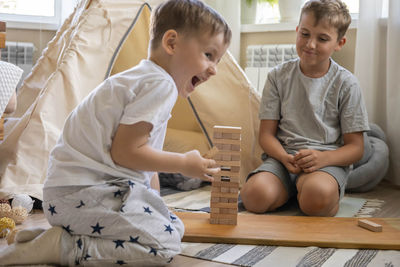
(304, 34)
(208, 55)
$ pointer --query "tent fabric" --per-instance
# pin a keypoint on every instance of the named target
(74, 63)
(101, 38)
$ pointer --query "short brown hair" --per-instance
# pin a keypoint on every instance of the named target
(335, 11)
(186, 16)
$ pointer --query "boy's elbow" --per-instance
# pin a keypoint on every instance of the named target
(116, 155)
(359, 152)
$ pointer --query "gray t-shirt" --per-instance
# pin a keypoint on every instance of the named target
(313, 113)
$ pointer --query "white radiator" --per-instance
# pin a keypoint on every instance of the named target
(262, 58)
(20, 54)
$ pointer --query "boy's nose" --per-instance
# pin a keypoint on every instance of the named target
(311, 43)
(212, 70)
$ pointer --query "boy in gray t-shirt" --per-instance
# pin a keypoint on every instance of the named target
(312, 118)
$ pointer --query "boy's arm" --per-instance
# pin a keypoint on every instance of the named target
(155, 182)
(352, 151)
(272, 147)
(130, 149)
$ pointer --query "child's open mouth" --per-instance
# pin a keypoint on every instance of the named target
(195, 81)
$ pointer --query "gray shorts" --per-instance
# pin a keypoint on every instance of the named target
(289, 180)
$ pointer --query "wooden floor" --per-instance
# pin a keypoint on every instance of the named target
(388, 193)
(384, 191)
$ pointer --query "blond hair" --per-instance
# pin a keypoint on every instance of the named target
(190, 17)
(335, 11)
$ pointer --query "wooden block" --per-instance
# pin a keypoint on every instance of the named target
(223, 199)
(228, 173)
(2, 39)
(227, 221)
(227, 141)
(211, 153)
(233, 190)
(218, 156)
(236, 136)
(213, 221)
(225, 184)
(235, 147)
(227, 129)
(223, 216)
(217, 135)
(2, 26)
(229, 152)
(364, 223)
(224, 211)
(235, 168)
(224, 189)
(235, 157)
(214, 199)
(224, 205)
(216, 210)
(226, 157)
(215, 189)
(233, 199)
(224, 195)
(227, 135)
(223, 221)
(226, 147)
(228, 163)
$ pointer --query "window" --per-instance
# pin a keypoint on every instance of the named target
(270, 14)
(29, 14)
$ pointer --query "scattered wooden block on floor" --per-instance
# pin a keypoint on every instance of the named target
(364, 223)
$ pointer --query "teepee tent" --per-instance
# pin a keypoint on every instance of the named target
(99, 39)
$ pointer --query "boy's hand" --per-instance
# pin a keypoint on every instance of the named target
(290, 164)
(198, 167)
(309, 160)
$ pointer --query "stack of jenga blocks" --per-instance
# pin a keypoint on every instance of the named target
(225, 187)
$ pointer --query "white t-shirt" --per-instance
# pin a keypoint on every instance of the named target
(313, 113)
(82, 156)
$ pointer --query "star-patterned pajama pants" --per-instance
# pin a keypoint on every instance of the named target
(116, 223)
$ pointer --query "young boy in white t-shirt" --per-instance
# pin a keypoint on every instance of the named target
(312, 120)
(101, 194)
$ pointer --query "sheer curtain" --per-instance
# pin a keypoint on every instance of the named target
(377, 66)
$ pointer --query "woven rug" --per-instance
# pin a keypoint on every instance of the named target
(199, 200)
(251, 255)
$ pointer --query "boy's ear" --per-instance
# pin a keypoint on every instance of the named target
(340, 43)
(169, 41)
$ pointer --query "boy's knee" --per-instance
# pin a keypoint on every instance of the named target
(258, 198)
(318, 201)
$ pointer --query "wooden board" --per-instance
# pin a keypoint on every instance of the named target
(300, 231)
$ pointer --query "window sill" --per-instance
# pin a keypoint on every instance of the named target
(32, 25)
(279, 27)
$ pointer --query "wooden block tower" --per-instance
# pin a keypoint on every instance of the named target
(225, 188)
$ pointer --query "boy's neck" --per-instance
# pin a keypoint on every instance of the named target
(315, 71)
(160, 59)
